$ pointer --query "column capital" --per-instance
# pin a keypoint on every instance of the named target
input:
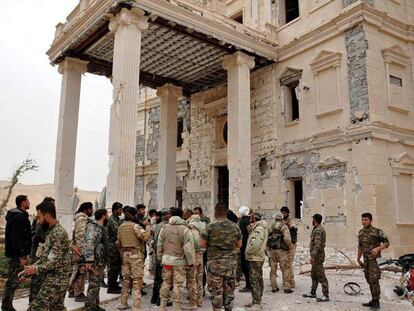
(169, 89)
(128, 17)
(71, 63)
(238, 59)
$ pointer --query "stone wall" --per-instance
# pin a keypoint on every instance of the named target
(346, 3)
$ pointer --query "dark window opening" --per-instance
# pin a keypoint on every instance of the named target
(225, 129)
(263, 166)
(298, 197)
(396, 81)
(180, 130)
(291, 10)
(294, 101)
(223, 185)
(238, 17)
(179, 199)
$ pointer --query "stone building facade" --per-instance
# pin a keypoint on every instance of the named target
(332, 121)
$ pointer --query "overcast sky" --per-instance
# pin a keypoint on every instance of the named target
(30, 91)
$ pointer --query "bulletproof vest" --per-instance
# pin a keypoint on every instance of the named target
(127, 235)
(173, 237)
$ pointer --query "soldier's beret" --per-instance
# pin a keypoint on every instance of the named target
(277, 216)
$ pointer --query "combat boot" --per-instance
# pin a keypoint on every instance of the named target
(375, 305)
(310, 295)
(163, 304)
(367, 304)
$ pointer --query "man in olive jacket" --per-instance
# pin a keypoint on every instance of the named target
(255, 254)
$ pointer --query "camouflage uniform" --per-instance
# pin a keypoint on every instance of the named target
(95, 252)
(368, 239)
(79, 274)
(175, 249)
(131, 242)
(39, 237)
(194, 276)
(281, 257)
(291, 223)
(255, 255)
(54, 264)
(221, 237)
(115, 261)
(317, 252)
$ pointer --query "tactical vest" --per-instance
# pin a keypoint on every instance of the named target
(173, 237)
(276, 239)
(127, 235)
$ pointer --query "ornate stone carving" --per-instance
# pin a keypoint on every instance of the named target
(129, 17)
(75, 64)
(238, 58)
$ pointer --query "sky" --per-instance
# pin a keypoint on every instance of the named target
(30, 92)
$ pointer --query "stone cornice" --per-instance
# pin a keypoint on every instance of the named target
(348, 18)
(129, 17)
(152, 169)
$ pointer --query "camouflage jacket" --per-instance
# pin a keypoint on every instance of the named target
(221, 237)
(186, 242)
(256, 244)
(317, 243)
(56, 257)
(80, 220)
(113, 224)
(39, 237)
(94, 244)
(205, 219)
(370, 238)
(196, 226)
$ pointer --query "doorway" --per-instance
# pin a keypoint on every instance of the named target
(223, 185)
(295, 198)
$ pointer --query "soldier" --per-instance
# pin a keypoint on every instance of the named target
(256, 255)
(39, 237)
(165, 215)
(175, 249)
(317, 252)
(371, 241)
(195, 274)
(115, 261)
(95, 253)
(199, 211)
(279, 245)
(244, 223)
(17, 248)
(78, 279)
(291, 223)
(131, 242)
(54, 263)
(222, 239)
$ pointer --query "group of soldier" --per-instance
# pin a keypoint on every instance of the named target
(183, 247)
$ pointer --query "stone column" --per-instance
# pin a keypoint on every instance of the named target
(238, 68)
(127, 27)
(169, 95)
(71, 70)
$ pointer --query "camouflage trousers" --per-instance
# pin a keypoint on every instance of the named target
(35, 285)
(194, 280)
(318, 276)
(373, 275)
(221, 279)
(133, 273)
(78, 279)
(12, 284)
(290, 274)
(51, 296)
(256, 279)
(114, 266)
(94, 280)
(174, 277)
(281, 258)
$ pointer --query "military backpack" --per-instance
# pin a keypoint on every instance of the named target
(276, 240)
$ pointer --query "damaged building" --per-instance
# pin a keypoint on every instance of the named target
(261, 103)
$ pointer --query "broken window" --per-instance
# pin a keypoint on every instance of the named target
(180, 130)
(295, 190)
(237, 17)
(290, 89)
(179, 199)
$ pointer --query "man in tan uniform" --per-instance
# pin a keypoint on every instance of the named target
(175, 249)
(131, 242)
(291, 223)
(279, 245)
